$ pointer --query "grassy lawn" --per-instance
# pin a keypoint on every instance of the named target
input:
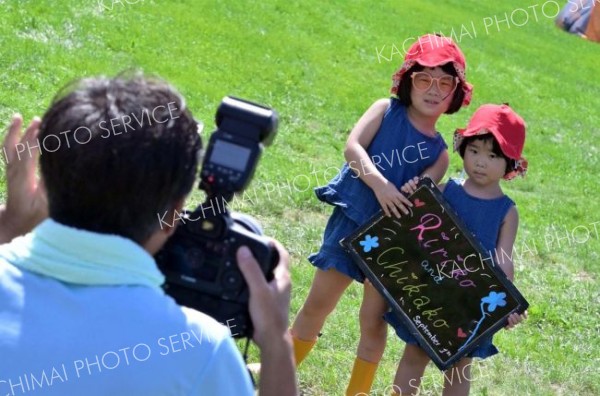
(321, 64)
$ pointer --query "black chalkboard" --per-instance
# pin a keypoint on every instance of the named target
(438, 279)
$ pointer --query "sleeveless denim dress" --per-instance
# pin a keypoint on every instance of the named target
(400, 153)
(483, 217)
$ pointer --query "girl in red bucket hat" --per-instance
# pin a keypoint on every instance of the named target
(395, 140)
(491, 147)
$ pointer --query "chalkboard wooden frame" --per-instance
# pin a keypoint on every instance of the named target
(361, 242)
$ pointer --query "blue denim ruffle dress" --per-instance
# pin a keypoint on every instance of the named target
(400, 153)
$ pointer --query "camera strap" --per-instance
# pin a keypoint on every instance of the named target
(245, 356)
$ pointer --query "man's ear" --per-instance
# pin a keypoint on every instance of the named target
(158, 238)
(174, 214)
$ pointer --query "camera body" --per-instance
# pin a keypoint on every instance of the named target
(198, 261)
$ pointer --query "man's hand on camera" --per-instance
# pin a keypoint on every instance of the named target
(269, 308)
(26, 204)
(269, 302)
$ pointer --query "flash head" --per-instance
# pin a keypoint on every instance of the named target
(247, 119)
(234, 148)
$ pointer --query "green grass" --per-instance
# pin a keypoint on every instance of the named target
(316, 63)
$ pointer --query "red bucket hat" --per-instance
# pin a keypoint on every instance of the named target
(507, 127)
(430, 51)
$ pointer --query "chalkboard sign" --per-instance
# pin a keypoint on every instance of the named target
(437, 277)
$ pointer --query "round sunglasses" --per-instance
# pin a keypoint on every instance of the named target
(423, 81)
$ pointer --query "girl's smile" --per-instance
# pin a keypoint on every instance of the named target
(430, 102)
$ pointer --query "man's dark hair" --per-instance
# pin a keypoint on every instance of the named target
(496, 149)
(406, 86)
(130, 152)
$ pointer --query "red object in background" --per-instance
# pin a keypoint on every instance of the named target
(581, 18)
(593, 28)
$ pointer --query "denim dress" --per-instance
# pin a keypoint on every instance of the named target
(400, 153)
(483, 217)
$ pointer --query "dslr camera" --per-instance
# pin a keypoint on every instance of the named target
(198, 261)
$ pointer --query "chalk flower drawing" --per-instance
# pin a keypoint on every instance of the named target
(493, 301)
(369, 243)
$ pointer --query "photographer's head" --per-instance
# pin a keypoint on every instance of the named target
(117, 151)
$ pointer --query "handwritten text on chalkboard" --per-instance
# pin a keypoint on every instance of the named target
(436, 276)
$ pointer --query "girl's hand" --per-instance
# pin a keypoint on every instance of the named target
(410, 186)
(391, 200)
(514, 319)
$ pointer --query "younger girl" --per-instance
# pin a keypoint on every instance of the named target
(392, 142)
(491, 147)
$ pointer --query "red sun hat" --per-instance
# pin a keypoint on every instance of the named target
(507, 127)
(431, 51)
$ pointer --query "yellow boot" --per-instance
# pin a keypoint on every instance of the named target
(301, 349)
(361, 380)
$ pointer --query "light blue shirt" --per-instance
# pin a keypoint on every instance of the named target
(77, 338)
